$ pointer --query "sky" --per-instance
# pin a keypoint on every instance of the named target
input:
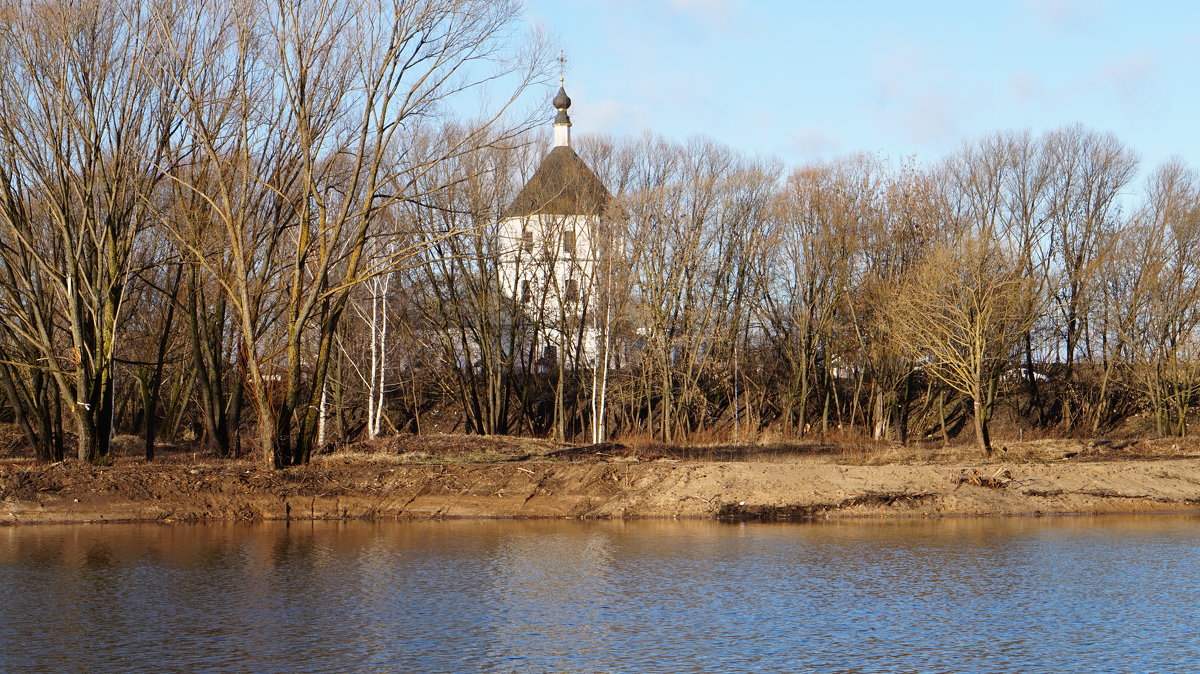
(810, 80)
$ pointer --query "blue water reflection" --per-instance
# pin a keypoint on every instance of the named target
(1064, 593)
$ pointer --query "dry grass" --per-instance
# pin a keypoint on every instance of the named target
(1028, 451)
(859, 451)
(442, 448)
(849, 449)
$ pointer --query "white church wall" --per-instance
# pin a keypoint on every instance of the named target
(552, 281)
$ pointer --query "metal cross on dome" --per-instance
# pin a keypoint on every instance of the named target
(562, 66)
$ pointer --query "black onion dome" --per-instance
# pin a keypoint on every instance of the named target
(562, 101)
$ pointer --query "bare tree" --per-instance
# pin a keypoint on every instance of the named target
(1162, 313)
(86, 120)
(1089, 171)
(961, 315)
(306, 117)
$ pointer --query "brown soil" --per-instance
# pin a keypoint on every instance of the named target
(461, 476)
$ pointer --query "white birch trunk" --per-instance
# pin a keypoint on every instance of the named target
(599, 429)
(321, 414)
(597, 432)
(604, 380)
(383, 322)
(737, 435)
(374, 363)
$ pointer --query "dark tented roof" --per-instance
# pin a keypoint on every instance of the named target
(562, 185)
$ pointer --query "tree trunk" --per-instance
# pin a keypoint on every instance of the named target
(150, 405)
(942, 416)
(902, 422)
(982, 439)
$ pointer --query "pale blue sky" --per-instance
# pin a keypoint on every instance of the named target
(808, 80)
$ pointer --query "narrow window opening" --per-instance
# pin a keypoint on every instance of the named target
(568, 242)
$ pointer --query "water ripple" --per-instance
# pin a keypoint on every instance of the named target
(1102, 594)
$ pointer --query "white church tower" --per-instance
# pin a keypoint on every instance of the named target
(550, 238)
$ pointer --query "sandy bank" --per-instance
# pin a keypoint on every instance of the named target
(597, 489)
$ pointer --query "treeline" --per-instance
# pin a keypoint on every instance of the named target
(1026, 273)
(249, 225)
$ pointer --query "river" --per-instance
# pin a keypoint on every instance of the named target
(1113, 593)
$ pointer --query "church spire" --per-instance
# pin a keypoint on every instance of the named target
(562, 121)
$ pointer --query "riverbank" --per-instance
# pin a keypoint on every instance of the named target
(525, 480)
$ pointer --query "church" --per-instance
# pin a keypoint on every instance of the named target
(552, 244)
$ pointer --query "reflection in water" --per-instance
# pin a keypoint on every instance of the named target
(549, 588)
(998, 594)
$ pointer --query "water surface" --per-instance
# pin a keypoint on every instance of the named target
(1060, 593)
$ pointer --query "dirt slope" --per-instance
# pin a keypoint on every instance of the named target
(609, 487)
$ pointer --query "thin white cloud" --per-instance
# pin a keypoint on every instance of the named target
(714, 11)
(1062, 15)
(610, 116)
(898, 71)
(922, 98)
(1131, 76)
(932, 117)
(1025, 88)
(815, 142)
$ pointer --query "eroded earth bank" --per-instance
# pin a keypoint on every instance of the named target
(463, 477)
